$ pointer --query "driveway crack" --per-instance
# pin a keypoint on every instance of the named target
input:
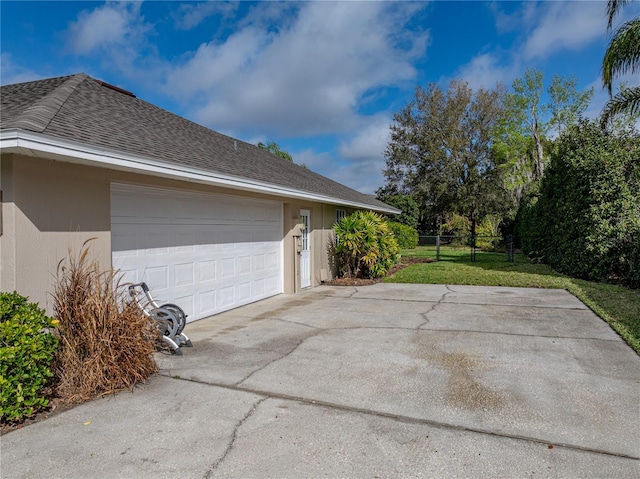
(234, 436)
(298, 344)
(425, 315)
(299, 324)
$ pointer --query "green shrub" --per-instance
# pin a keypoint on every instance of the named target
(366, 247)
(457, 225)
(488, 232)
(410, 213)
(406, 236)
(585, 221)
(26, 352)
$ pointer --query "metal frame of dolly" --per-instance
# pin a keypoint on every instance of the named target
(169, 318)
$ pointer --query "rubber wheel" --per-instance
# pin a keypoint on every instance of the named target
(169, 321)
(180, 315)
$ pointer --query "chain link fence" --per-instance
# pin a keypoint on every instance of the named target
(467, 248)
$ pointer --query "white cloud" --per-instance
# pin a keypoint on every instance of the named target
(513, 22)
(485, 71)
(364, 175)
(190, 15)
(545, 28)
(305, 76)
(565, 26)
(112, 24)
(359, 160)
(14, 73)
(369, 142)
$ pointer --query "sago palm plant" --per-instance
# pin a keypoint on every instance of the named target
(365, 245)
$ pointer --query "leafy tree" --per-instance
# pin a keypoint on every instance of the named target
(524, 106)
(567, 103)
(441, 152)
(622, 56)
(521, 139)
(273, 147)
(405, 203)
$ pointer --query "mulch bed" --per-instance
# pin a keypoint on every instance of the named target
(404, 262)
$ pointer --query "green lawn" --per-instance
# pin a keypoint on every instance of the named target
(620, 307)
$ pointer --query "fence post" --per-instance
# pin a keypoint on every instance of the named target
(438, 248)
(510, 240)
(473, 248)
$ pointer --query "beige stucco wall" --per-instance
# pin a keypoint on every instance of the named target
(49, 207)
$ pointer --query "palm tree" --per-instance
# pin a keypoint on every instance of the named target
(622, 56)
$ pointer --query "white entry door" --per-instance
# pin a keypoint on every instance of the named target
(305, 257)
(206, 253)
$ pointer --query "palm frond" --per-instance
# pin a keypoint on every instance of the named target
(613, 6)
(628, 101)
(623, 53)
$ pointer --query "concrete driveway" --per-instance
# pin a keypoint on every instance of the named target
(379, 381)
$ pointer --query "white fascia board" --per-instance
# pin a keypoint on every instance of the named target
(39, 145)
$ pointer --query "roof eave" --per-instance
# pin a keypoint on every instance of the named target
(40, 145)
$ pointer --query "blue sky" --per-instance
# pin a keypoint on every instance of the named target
(322, 79)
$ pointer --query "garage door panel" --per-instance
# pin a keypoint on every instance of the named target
(259, 262)
(157, 276)
(184, 274)
(243, 292)
(128, 276)
(258, 287)
(207, 253)
(226, 297)
(207, 270)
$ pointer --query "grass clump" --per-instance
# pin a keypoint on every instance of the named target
(617, 305)
(27, 346)
(106, 343)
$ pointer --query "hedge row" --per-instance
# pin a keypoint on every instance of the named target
(585, 220)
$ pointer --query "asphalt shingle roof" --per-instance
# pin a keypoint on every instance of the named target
(81, 109)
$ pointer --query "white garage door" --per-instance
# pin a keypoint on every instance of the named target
(206, 253)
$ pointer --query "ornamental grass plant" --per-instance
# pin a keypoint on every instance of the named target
(106, 343)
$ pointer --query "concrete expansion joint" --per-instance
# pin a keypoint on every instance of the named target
(373, 328)
(516, 305)
(394, 417)
(432, 423)
(524, 335)
(234, 436)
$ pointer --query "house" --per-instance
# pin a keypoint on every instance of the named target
(208, 221)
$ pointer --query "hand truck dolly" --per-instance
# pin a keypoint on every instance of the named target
(169, 318)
